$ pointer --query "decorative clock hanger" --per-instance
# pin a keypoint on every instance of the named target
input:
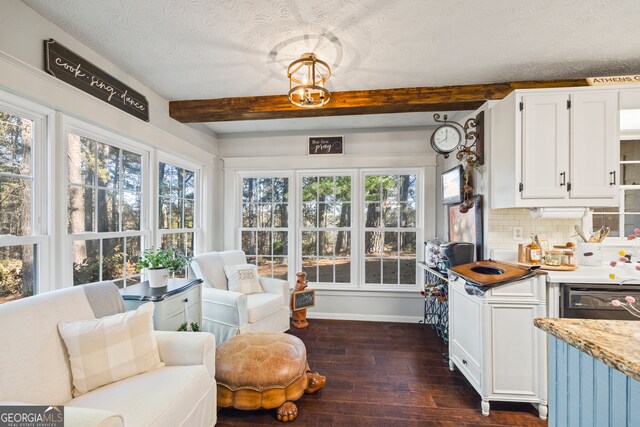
(448, 137)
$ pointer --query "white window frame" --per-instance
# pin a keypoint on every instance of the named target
(42, 149)
(418, 229)
(353, 229)
(78, 127)
(157, 232)
(290, 229)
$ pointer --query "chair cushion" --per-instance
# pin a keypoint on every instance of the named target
(261, 305)
(210, 267)
(169, 396)
(243, 278)
(109, 349)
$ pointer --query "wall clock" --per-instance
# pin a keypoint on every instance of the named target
(446, 138)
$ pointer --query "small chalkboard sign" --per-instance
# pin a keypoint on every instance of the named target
(326, 145)
(304, 299)
(71, 68)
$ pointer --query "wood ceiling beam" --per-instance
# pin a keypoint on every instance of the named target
(357, 102)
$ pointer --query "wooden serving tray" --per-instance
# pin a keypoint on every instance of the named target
(551, 267)
(511, 272)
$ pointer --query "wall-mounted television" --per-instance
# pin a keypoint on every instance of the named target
(452, 186)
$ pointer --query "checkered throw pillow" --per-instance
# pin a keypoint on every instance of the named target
(243, 278)
(112, 348)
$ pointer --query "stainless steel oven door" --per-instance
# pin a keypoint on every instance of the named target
(593, 301)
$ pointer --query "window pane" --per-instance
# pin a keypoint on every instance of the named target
(309, 241)
(325, 215)
(188, 214)
(264, 266)
(612, 221)
(15, 206)
(407, 244)
(189, 184)
(309, 214)
(180, 183)
(16, 135)
(17, 271)
(372, 215)
(327, 241)
(264, 215)
(390, 213)
(343, 243)
(343, 214)
(132, 165)
(390, 188)
(325, 189)
(249, 240)
(264, 243)
(408, 215)
(108, 166)
(372, 188)
(343, 270)
(281, 189)
(249, 190)
(372, 267)
(130, 211)
(390, 271)
(176, 214)
(390, 244)
(164, 212)
(631, 222)
(265, 189)
(309, 266)
(164, 179)
(280, 243)
(280, 268)
(249, 215)
(343, 188)
(630, 150)
(408, 271)
(86, 261)
(632, 200)
(108, 208)
(81, 155)
(134, 244)
(325, 270)
(309, 188)
(280, 215)
(407, 188)
(80, 209)
(630, 173)
(112, 258)
(373, 243)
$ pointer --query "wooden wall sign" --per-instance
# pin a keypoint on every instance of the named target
(304, 299)
(614, 80)
(65, 65)
(326, 145)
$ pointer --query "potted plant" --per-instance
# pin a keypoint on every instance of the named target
(159, 263)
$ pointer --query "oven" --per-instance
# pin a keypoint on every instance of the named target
(593, 301)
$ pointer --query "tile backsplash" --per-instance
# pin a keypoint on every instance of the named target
(502, 222)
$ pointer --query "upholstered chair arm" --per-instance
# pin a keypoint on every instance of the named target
(187, 348)
(224, 306)
(276, 286)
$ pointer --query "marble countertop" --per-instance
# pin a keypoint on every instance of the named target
(610, 341)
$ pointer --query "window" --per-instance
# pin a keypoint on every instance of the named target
(325, 229)
(177, 207)
(625, 218)
(104, 211)
(22, 233)
(265, 224)
(389, 223)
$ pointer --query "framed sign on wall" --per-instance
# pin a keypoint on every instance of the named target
(326, 145)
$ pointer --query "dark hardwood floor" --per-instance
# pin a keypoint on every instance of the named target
(384, 374)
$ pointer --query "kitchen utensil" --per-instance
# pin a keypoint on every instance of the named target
(595, 236)
(605, 233)
(580, 233)
(550, 267)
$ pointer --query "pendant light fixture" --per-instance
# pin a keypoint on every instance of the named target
(307, 77)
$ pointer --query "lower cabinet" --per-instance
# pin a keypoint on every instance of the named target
(493, 341)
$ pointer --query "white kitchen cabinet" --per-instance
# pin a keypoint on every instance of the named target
(493, 341)
(555, 148)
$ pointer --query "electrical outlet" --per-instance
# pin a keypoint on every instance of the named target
(517, 233)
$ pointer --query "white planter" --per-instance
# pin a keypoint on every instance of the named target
(158, 277)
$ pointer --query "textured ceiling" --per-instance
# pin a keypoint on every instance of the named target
(227, 48)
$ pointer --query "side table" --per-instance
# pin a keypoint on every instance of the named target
(178, 302)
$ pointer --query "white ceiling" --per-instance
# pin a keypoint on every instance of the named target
(228, 48)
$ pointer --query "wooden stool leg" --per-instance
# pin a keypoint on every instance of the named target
(287, 412)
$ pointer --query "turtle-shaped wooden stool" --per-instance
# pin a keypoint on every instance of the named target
(264, 370)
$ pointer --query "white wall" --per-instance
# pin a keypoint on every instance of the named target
(372, 148)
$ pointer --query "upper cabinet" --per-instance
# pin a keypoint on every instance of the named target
(552, 148)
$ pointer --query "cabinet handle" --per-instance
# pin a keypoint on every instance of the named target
(186, 300)
(563, 175)
(612, 178)
(464, 362)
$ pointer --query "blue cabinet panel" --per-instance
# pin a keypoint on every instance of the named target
(586, 392)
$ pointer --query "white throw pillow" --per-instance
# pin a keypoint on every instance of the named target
(243, 278)
(110, 349)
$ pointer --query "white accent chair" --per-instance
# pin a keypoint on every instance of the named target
(226, 313)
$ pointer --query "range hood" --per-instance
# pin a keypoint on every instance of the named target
(559, 212)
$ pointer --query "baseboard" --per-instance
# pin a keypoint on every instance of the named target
(365, 317)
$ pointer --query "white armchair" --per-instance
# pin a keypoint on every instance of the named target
(226, 313)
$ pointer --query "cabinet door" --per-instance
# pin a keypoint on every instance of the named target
(545, 146)
(595, 145)
(465, 318)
